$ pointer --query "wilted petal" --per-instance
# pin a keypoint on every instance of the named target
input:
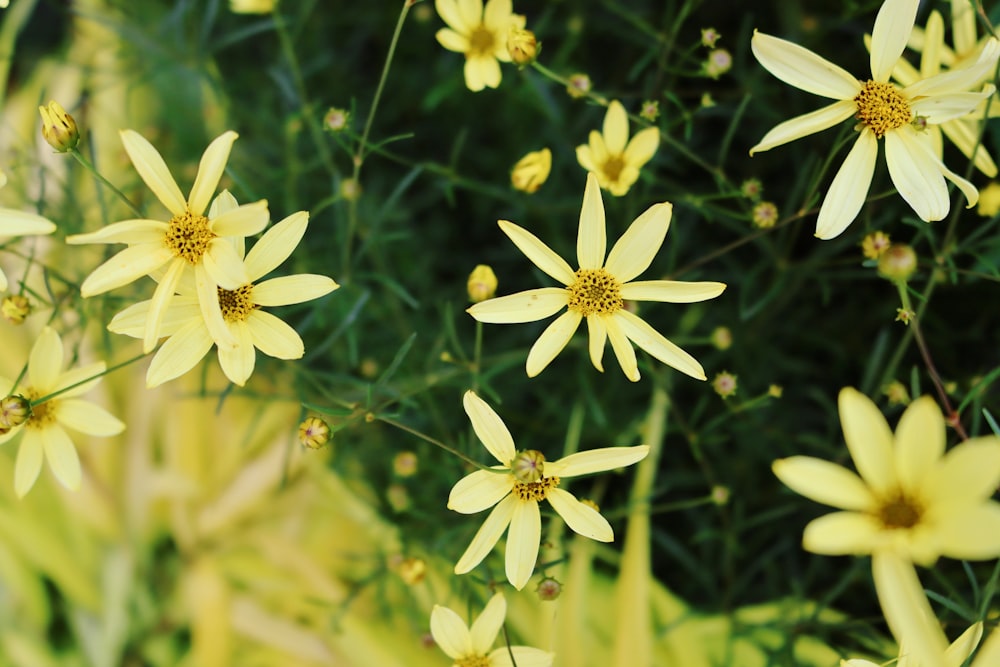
(85, 417)
(540, 254)
(582, 519)
(893, 25)
(276, 245)
(634, 251)
(523, 540)
(800, 67)
(671, 291)
(596, 460)
(213, 163)
(489, 428)
(153, 171)
(449, 632)
(806, 124)
(274, 337)
(849, 188)
(591, 238)
(479, 490)
(824, 482)
(528, 306)
(487, 626)
(915, 175)
(487, 535)
(551, 342)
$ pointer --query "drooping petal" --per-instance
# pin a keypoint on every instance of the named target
(62, 457)
(128, 265)
(892, 28)
(642, 147)
(843, 533)
(849, 188)
(274, 337)
(489, 428)
(551, 342)
(800, 67)
(452, 40)
(20, 223)
(246, 220)
(596, 460)
(159, 303)
(649, 339)
(591, 238)
(806, 124)
(634, 251)
(582, 519)
(597, 336)
(528, 306)
(449, 631)
(915, 174)
(969, 473)
(238, 362)
(487, 626)
(523, 540)
(524, 656)
(906, 609)
(127, 231)
(540, 254)
(615, 128)
(671, 291)
(45, 361)
(153, 171)
(286, 290)
(824, 482)
(86, 417)
(868, 438)
(479, 490)
(213, 163)
(179, 354)
(29, 462)
(223, 265)
(487, 535)
(621, 347)
(972, 533)
(920, 441)
(967, 189)
(276, 245)
(211, 311)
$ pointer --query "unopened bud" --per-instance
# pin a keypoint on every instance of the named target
(898, 262)
(15, 308)
(522, 46)
(482, 284)
(528, 466)
(314, 433)
(58, 128)
(532, 171)
(14, 411)
(412, 570)
(548, 589)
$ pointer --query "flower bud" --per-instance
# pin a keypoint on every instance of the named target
(531, 171)
(412, 570)
(522, 46)
(482, 284)
(58, 128)
(14, 411)
(548, 589)
(579, 85)
(528, 466)
(718, 63)
(724, 384)
(336, 120)
(15, 308)
(314, 433)
(898, 262)
(404, 464)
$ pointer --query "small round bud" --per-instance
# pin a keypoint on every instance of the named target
(650, 110)
(368, 368)
(709, 36)
(752, 189)
(58, 128)
(350, 189)
(896, 392)
(722, 338)
(404, 464)
(522, 46)
(775, 391)
(874, 245)
(16, 308)
(482, 284)
(765, 215)
(336, 120)
(718, 63)
(398, 497)
(548, 589)
(314, 433)
(528, 466)
(724, 384)
(720, 495)
(897, 263)
(14, 411)
(531, 171)
(579, 85)
(412, 570)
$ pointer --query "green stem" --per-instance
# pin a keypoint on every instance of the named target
(49, 397)
(75, 152)
(438, 443)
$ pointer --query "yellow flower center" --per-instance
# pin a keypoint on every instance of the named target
(42, 415)
(473, 661)
(900, 511)
(595, 291)
(481, 42)
(188, 236)
(613, 168)
(236, 305)
(535, 490)
(882, 107)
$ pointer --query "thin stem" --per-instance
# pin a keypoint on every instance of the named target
(75, 152)
(437, 443)
(48, 397)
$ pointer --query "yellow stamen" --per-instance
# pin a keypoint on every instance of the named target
(42, 416)
(535, 490)
(481, 42)
(882, 107)
(188, 236)
(595, 291)
(236, 305)
(613, 168)
(900, 511)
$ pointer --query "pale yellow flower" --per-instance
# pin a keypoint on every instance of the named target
(610, 155)
(474, 646)
(884, 111)
(989, 202)
(44, 432)
(531, 171)
(19, 223)
(517, 485)
(189, 240)
(190, 338)
(596, 291)
(911, 497)
(481, 34)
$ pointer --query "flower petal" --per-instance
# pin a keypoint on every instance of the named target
(489, 428)
(824, 482)
(487, 626)
(276, 245)
(448, 11)
(246, 220)
(806, 124)
(497, 18)
(208, 303)
(179, 354)
(634, 251)
(126, 266)
(88, 418)
(963, 647)
(160, 302)
(596, 460)
(524, 656)
(893, 25)
(62, 457)
(238, 361)
(449, 631)
(582, 519)
(938, 109)
(959, 79)
(868, 439)
(649, 339)
(471, 12)
(127, 231)
(969, 473)
(45, 361)
(274, 337)
(479, 490)
(528, 306)
(29, 462)
(523, 540)
(452, 40)
(915, 174)
(82, 379)
(972, 533)
(551, 342)
(482, 72)
(487, 535)
(800, 67)
(642, 147)
(132, 320)
(591, 239)
(920, 440)
(540, 254)
(224, 266)
(621, 347)
(906, 609)
(597, 336)
(210, 169)
(20, 223)
(615, 128)
(849, 188)
(286, 290)
(153, 171)
(671, 291)
(843, 533)
(586, 158)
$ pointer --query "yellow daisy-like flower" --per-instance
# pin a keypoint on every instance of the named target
(19, 223)
(472, 647)
(189, 240)
(44, 432)
(909, 496)
(610, 155)
(481, 34)
(885, 111)
(252, 328)
(597, 290)
(521, 481)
